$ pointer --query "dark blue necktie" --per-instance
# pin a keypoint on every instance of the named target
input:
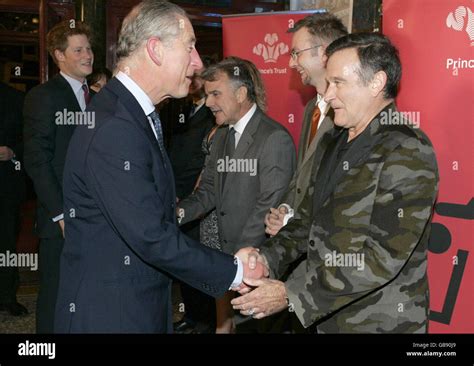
(229, 150)
(230, 146)
(159, 132)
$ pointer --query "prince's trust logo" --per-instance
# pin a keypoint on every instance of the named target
(270, 51)
(461, 19)
(458, 21)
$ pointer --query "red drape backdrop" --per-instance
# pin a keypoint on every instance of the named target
(263, 39)
(435, 39)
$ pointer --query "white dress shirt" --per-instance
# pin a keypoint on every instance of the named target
(323, 107)
(76, 86)
(239, 127)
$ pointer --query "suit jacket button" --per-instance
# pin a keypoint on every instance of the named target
(224, 241)
(222, 213)
(311, 243)
(298, 190)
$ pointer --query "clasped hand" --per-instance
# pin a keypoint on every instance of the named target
(261, 296)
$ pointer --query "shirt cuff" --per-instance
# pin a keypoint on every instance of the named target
(290, 213)
(58, 218)
(239, 275)
(285, 205)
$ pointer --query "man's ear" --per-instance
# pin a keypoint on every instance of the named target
(324, 59)
(59, 55)
(241, 94)
(155, 50)
(322, 51)
(378, 83)
(322, 54)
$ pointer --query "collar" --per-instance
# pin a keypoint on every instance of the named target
(199, 104)
(142, 98)
(322, 104)
(76, 85)
(242, 123)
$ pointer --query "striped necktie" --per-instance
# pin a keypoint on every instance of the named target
(87, 96)
(159, 132)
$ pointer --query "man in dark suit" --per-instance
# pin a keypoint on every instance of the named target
(11, 192)
(190, 128)
(311, 36)
(122, 243)
(250, 165)
(51, 115)
(363, 235)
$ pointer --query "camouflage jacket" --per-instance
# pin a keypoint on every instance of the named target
(366, 246)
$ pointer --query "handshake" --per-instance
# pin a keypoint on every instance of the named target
(255, 267)
(262, 296)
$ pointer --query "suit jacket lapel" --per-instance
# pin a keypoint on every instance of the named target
(357, 154)
(244, 144)
(326, 124)
(247, 137)
(69, 93)
(198, 116)
(306, 128)
(134, 108)
(320, 166)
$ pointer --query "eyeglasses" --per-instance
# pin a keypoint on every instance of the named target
(294, 54)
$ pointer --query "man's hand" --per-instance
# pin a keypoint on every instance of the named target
(61, 224)
(6, 153)
(252, 257)
(255, 266)
(274, 220)
(269, 297)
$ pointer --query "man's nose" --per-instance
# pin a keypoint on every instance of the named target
(292, 63)
(329, 95)
(88, 53)
(196, 59)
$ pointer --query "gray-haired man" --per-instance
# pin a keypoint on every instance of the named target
(122, 241)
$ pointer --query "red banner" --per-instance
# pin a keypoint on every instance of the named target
(435, 39)
(263, 39)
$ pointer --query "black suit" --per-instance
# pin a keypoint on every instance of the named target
(46, 144)
(187, 159)
(123, 243)
(11, 186)
(186, 154)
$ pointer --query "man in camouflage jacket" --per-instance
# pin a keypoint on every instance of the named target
(364, 224)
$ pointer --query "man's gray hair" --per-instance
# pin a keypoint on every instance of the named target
(240, 73)
(149, 18)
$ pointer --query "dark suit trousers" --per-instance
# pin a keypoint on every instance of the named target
(9, 225)
(198, 307)
(49, 258)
